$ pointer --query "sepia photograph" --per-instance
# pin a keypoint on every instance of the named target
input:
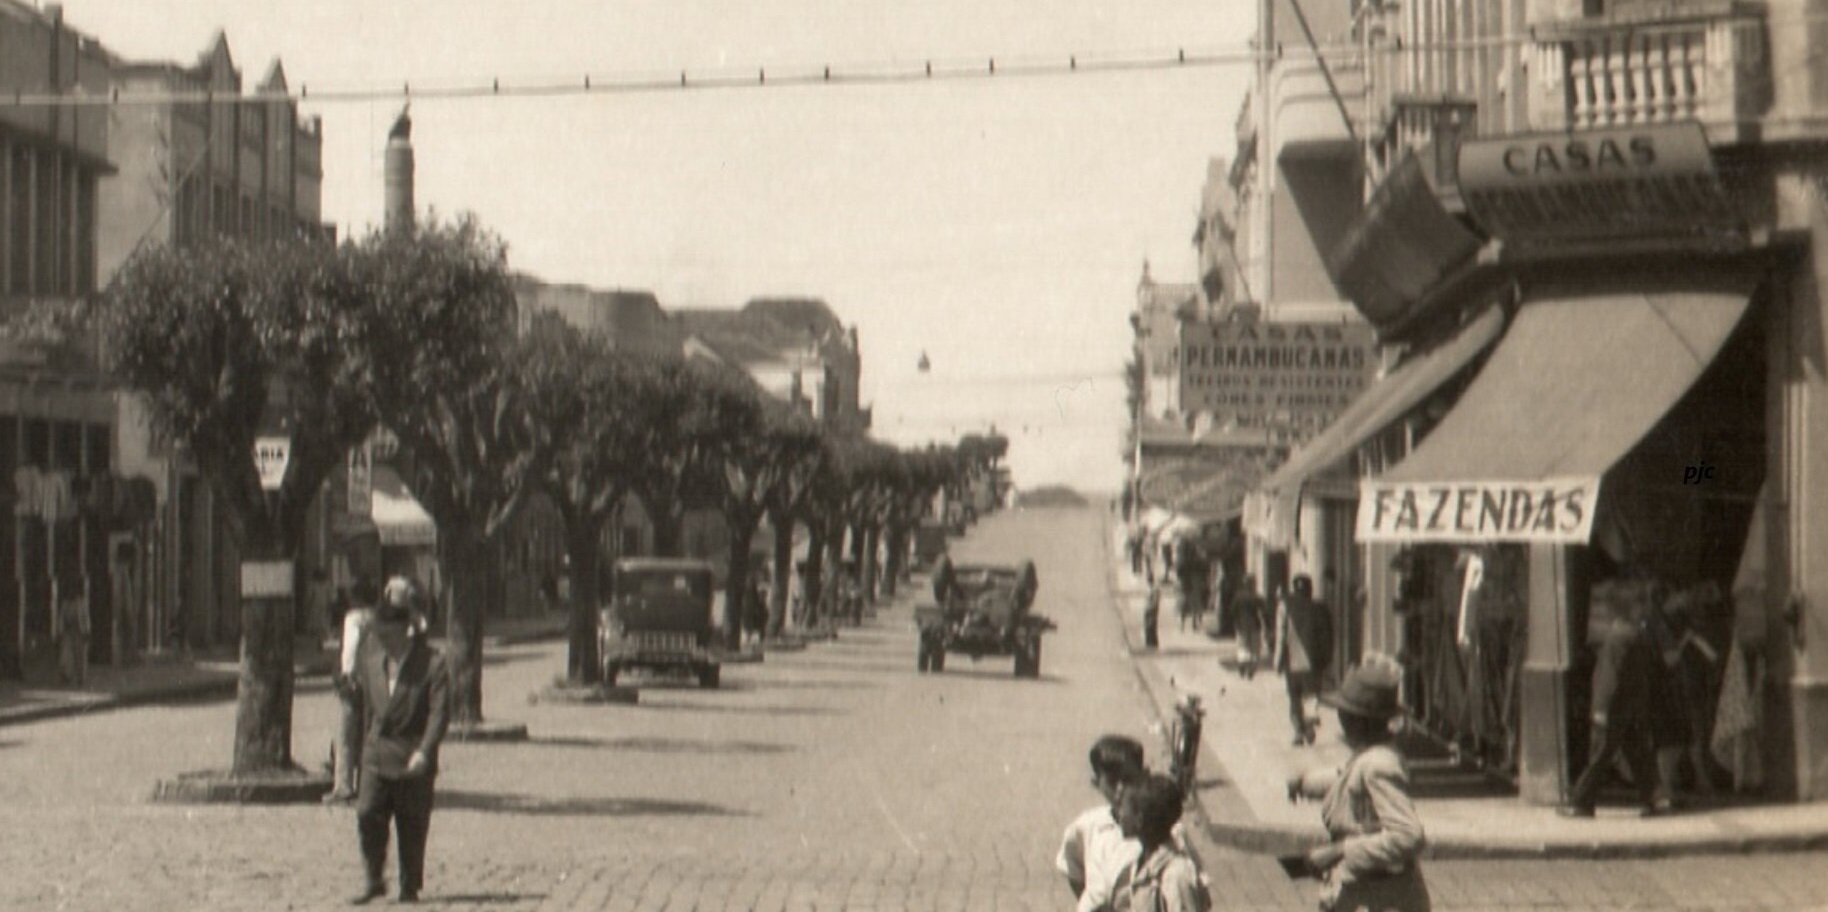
(959, 456)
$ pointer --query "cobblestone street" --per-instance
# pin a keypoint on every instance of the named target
(834, 778)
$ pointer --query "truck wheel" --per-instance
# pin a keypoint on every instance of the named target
(1034, 659)
(708, 677)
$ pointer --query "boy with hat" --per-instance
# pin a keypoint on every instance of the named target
(1376, 838)
(407, 696)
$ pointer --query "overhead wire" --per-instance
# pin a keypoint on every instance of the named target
(726, 77)
(932, 69)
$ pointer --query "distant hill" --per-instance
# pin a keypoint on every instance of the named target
(1050, 496)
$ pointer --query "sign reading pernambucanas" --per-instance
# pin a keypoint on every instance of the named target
(1290, 377)
(1554, 511)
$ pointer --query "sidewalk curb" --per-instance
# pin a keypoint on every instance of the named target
(1239, 829)
(1160, 712)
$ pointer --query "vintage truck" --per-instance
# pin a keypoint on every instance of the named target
(981, 610)
(659, 619)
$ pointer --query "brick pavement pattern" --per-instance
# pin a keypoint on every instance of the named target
(833, 778)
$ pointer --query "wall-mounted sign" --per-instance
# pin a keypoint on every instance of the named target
(359, 478)
(266, 579)
(1290, 377)
(1629, 182)
(1556, 511)
(271, 454)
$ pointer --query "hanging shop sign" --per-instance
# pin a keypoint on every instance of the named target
(1556, 511)
(1203, 490)
(1289, 377)
(1633, 182)
(271, 455)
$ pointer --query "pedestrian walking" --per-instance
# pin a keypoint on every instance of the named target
(755, 613)
(346, 753)
(1162, 877)
(73, 640)
(1371, 860)
(1190, 571)
(1621, 723)
(1248, 622)
(1152, 612)
(1304, 643)
(407, 695)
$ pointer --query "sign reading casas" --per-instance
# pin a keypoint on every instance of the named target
(1274, 375)
(1647, 181)
(1556, 511)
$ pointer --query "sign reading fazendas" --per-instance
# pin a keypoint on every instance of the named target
(1556, 511)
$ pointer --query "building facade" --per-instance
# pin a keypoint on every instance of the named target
(57, 416)
(1591, 244)
(189, 170)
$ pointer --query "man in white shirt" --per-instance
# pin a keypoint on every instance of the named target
(1093, 850)
(358, 621)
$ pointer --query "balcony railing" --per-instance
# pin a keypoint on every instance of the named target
(1432, 127)
(1596, 75)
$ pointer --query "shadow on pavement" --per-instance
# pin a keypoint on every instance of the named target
(500, 803)
(988, 673)
(1170, 652)
(665, 745)
(742, 710)
(830, 684)
(877, 664)
(484, 899)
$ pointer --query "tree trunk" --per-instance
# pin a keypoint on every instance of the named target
(468, 566)
(582, 663)
(263, 695)
(783, 571)
(859, 548)
(668, 531)
(813, 586)
(736, 584)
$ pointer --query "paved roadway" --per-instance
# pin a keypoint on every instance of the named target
(835, 778)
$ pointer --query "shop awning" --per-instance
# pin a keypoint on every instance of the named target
(400, 519)
(1576, 383)
(1387, 400)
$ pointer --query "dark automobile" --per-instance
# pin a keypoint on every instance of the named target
(659, 619)
(982, 610)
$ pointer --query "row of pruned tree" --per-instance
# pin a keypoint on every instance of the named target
(417, 332)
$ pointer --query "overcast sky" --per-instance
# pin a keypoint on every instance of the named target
(1000, 225)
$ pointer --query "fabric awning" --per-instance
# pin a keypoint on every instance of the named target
(400, 519)
(1386, 401)
(1576, 383)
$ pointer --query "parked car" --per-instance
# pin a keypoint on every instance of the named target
(659, 619)
(982, 610)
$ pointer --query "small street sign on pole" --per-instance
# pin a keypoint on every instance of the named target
(271, 454)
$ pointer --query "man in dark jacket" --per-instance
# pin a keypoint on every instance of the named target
(406, 690)
(1304, 646)
(1621, 716)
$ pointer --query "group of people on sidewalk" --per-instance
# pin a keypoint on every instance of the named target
(1296, 638)
(1129, 854)
(396, 695)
